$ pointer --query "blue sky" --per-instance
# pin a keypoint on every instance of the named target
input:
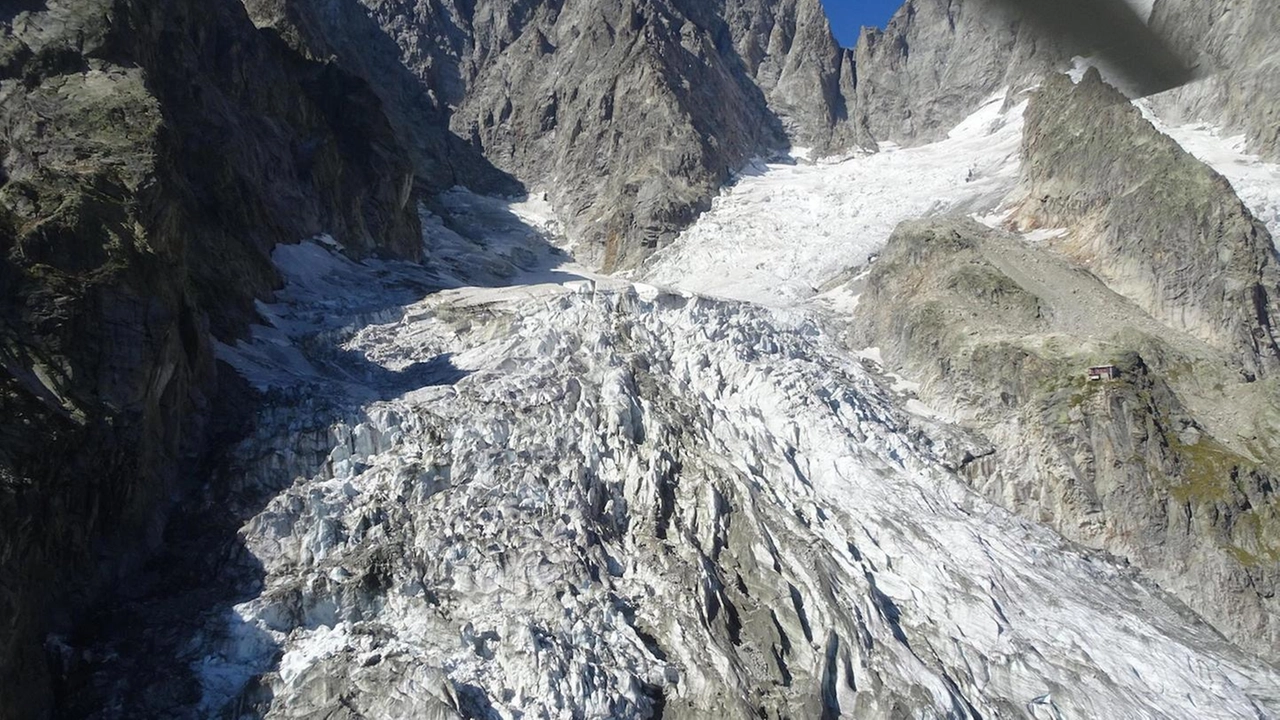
(848, 16)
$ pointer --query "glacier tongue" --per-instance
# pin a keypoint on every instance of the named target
(593, 499)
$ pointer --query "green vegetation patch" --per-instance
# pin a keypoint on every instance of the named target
(1209, 470)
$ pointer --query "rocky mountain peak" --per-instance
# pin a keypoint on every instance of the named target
(628, 114)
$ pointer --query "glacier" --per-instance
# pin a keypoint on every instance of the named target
(502, 486)
(784, 230)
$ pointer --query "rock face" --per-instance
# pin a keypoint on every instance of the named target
(1235, 47)
(630, 114)
(937, 60)
(1157, 225)
(347, 35)
(1168, 466)
(151, 154)
(807, 79)
(662, 99)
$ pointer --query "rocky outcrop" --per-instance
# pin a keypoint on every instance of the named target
(1152, 264)
(1156, 224)
(806, 77)
(151, 154)
(937, 60)
(1000, 333)
(630, 114)
(1235, 47)
(349, 35)
(934, 62)
(664, 98)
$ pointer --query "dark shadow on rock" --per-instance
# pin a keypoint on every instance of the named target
(437, 371)
(474, 704)
(1115, 32)
(345, 31)
(139, 653)
(384, 384)
(169, 632)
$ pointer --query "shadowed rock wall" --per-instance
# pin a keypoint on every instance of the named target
(151, 155)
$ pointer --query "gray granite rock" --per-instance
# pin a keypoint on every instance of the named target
(629, 114)
(1000, 333)
(1157, 225)
(1235, 48)
(934, 63)
(1153, 266)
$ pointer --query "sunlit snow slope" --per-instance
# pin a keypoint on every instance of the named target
(782, 231)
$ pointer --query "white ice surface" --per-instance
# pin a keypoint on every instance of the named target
(782, 231)
(1255, 180)
(488, 488)
(534, 450)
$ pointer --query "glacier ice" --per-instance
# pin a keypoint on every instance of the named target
(623, 499)
(503, 487)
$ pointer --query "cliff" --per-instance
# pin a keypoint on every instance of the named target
(1157, 225)
(1235, 48)
(151, 155)
(629, 114)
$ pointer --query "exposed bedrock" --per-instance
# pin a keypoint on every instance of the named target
(151, 154)
(1001, 333)
(630, 114)
(1155, 224)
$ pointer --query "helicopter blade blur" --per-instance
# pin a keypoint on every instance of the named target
(1112, 32)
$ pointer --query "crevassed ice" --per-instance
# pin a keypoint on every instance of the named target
(576, 497)
(600, 501)
(783, 230)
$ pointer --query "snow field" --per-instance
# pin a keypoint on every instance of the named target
(782, 231)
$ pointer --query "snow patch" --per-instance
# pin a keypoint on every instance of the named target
(1142, 8)
(1044, 234)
